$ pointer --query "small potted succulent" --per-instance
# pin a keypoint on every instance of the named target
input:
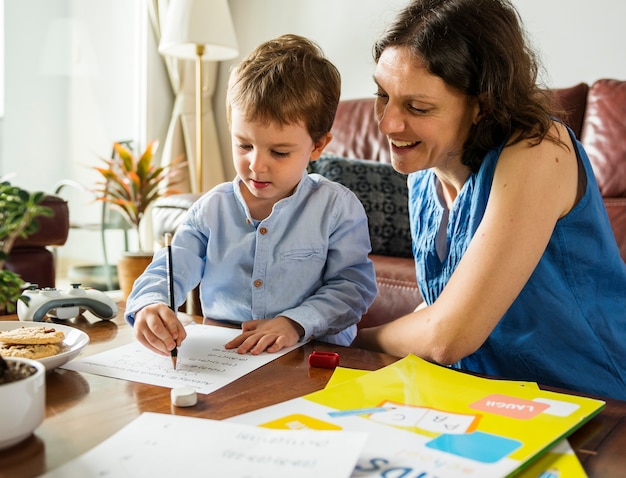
(131, 184)
(19, 210)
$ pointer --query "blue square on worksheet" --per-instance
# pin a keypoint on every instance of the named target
(477, 446)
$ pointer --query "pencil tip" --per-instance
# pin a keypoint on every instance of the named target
(174, 354)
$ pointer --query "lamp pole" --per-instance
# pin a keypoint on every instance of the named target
(199, 30)
(199, 53)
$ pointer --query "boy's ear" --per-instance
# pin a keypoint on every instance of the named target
(319, 145)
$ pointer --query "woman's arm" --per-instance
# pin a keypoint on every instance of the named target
(533, 187)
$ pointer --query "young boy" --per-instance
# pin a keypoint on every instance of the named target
(280, 251)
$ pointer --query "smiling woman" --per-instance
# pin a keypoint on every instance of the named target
(505, 212)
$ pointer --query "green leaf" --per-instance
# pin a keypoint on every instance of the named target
(19, 210)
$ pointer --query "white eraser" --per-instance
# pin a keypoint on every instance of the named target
(184, 397)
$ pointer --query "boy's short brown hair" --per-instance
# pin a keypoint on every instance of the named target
(287, 80)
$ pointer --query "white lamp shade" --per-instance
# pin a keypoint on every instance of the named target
(199, 22)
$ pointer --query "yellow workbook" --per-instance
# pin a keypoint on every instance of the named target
(560, 461)
(428, 421)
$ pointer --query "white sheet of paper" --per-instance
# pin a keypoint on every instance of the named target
(388, 452)
(157, 444)
(203, 362)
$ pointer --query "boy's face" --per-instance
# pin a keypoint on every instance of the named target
(270, 159)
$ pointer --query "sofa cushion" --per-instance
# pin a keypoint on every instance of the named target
(398, 293)
(356, 134)
(603, 135)
(573, 102)
(384, 195)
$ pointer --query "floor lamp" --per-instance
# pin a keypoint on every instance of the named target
(201, 30)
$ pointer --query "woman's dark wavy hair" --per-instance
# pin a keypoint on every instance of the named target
(478, 47)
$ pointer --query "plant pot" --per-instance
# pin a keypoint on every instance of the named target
(130, 266)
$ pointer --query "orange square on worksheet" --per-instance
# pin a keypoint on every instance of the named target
(300, 422)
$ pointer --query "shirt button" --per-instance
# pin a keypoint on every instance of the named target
(258, 283)
(263, 230)
(248, 221)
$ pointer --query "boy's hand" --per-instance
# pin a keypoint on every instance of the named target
(157, 328)
(266, 334)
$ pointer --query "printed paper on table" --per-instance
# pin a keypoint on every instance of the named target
(156, 444)
(431, 421)
(203, 362)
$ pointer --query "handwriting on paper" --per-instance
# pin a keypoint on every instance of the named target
(203, 362)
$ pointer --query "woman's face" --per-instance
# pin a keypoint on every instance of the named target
(425, 120)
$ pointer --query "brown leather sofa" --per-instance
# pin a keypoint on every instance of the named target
(595, 113)
(31, 257)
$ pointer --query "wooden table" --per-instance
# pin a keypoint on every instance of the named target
(83, 409)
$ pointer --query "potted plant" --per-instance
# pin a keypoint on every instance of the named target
(19, 210)
(131, 184)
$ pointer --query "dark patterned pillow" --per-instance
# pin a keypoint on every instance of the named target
(384, 195)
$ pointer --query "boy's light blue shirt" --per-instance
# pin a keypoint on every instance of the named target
(307, 261)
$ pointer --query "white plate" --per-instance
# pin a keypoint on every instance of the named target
(75, 341)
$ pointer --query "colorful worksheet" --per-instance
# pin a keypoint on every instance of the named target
(156, 444)
(203, 362)
(426, 420)
(558, 461)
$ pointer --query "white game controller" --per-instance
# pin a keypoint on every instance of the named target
(65, 304)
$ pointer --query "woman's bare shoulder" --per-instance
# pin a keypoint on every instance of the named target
(547, 169)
